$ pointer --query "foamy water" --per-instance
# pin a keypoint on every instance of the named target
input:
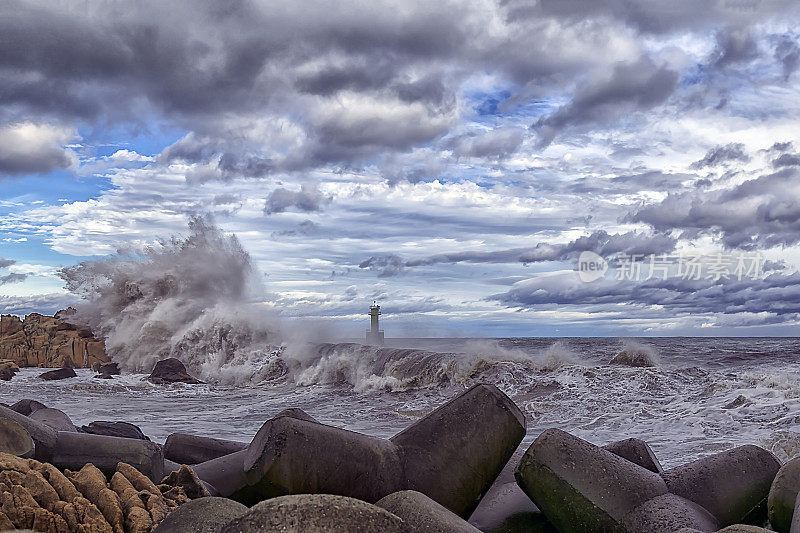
(702, 395)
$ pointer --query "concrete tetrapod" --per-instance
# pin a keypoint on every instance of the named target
(636, 451)
(44, 437)
(14, 439)
(316, 513)
(193, 449)
(730, 484)
(75, 450)
(454, 454)
(783, 495)
(203, 515)
(422, 514)
(581, 487)
(669, 512)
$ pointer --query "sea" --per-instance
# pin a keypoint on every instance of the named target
(694, 397)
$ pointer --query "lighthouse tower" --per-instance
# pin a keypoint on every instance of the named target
(374, 334)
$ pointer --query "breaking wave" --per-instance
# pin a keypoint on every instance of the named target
(194, 298)
(635, 353)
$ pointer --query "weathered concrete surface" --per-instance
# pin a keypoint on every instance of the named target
(730, 485)
(454, 454)
(581, 487)
(203, 515)
(421, 513)
(316, 513)
(636, 451)
(783, 495)
(669, 512)
(74, 450)
(14, 439)
(53, 418)
(193, 449)
(44, 437)
(293, 456)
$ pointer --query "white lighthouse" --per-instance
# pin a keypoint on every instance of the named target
(374, 334)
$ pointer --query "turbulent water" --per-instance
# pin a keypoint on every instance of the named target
(700, 395)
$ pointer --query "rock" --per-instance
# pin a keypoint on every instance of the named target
(103, 376)
(193, 449)
(61, 373)
(636, 451)
(731, 484)
(115, 429)
(44, 437)
(14, 439)
(581, 487)
(783, 495)
(43, 341)
(54, 418)
(292, 456)
(9, 364)
(313, 513)
(454, 454)
(27, 406)
(74, 450)
(634, 357)
(185, 478)
(204, 515)
(111, 369)
(171, 371)
(669, 512)
(421, 513)
(6, 374)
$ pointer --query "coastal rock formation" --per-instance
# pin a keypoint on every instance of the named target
(40, 497)
(171, 370)
(49, 341)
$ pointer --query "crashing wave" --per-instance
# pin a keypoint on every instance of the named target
(636, 354)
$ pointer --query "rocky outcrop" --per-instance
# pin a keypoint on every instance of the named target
(40, 497)
(49, 341)
(171, 371)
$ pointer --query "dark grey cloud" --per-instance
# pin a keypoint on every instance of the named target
(655, 17)
(722, 154)
(787, 52)
(6, 262)
(777, 294)
(12, 278)
(735, 45)
(787, 160)
(27, 148)
(631, 87)
(308, 198)
(763, 211)
(494, 144)
(600, 242)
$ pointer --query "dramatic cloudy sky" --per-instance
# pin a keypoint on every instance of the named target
(450, 159)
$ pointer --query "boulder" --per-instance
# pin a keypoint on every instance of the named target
(454, 454)
(115, 429)
(27, 406)
(171, 370)
(782, 496)
(6, 374)
(293, 456)
(203, 515)
(421, 513)
(193, 449)
(54, 418)
(581, 487)
(14, 439)
(74, 450)
(636, 451)
(731, 484)
(316, 513)
(61, 373)
(111, 369)
(669, 512)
